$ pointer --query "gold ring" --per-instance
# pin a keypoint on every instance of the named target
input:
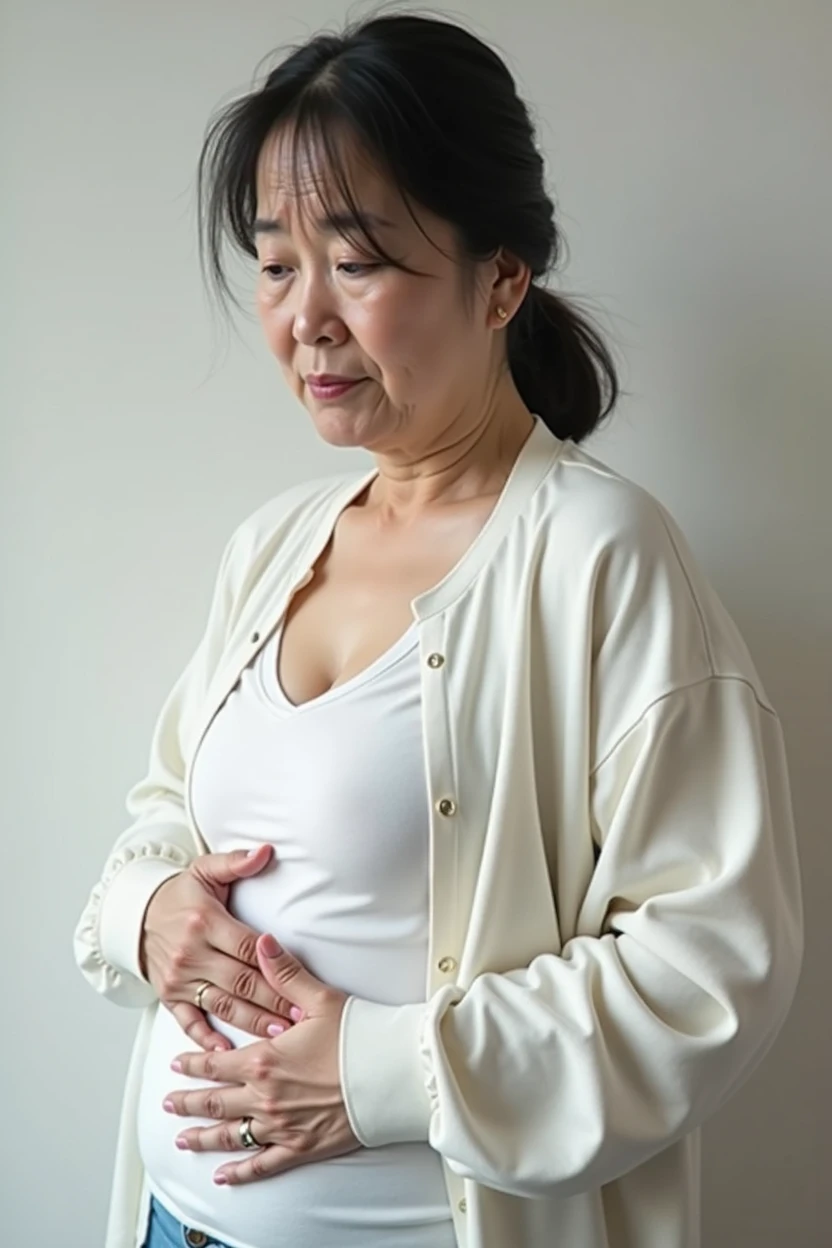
(200, 993)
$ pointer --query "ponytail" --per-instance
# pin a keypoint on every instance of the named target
(561, 366)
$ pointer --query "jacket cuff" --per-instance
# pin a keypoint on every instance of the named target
(381, 1069)
(123, 908)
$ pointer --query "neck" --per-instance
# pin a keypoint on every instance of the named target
(471, 460)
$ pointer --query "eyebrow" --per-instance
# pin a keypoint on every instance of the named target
(329, 225)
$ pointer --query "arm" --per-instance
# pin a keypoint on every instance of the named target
(159, 843)
(563, 1075)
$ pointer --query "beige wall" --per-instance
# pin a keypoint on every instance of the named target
(689, 148)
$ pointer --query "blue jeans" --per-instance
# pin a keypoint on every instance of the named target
(166, 1231)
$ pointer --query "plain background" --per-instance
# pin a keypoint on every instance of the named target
(688, 147)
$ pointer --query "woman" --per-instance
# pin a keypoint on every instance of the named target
(464, 868)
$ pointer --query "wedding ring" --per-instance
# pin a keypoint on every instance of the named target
(246, 1138)
(200, 992)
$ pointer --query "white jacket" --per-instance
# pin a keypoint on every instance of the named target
(615, 905)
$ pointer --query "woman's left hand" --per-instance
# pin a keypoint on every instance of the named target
(289, 1086)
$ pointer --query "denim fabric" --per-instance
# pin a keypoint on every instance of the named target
(166, 1231)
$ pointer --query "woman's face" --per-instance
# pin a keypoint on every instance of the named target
(429, 364)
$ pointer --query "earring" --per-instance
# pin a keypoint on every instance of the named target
(501, 312)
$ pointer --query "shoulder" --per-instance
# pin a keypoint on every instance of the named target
(301, 501)
(631, 572)
(282, 526)
(602, 510)
(612, 534)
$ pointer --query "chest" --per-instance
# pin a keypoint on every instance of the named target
(357, 603)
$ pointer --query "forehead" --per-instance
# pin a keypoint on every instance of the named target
(297, 174)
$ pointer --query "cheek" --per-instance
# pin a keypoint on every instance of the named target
(276, 325)
(411, 336)
(409, 330)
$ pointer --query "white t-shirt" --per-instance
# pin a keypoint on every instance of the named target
(337, 786)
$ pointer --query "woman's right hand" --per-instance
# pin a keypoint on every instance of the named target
(188, 938)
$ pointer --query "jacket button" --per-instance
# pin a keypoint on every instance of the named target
(436, 660)
(446, 806)
(463, 1205)
(195, 1239)
(254, 637)
(446, 965)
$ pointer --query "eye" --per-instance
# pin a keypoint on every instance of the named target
(275, 271)
(352, 268)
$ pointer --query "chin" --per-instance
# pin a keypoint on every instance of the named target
(339, 427)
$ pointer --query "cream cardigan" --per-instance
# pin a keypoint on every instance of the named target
(616, 916)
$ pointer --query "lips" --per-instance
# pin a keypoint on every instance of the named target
(332, 387)
(330, 379)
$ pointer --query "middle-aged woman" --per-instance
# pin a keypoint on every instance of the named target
(466, 836)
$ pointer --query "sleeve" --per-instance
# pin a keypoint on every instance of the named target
(563, 1075)
(159, 842)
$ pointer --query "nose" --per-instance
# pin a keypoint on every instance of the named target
(316, 316)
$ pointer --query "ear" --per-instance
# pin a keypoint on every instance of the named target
(512, 278)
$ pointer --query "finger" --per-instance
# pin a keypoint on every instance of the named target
(246, 982)
(271, 1160)
(224, 869)
(235, 939)
(222, 1103)
(196, 1027)
(212, 1067)
(287, 975)
(238, 1013)
(223, 1138)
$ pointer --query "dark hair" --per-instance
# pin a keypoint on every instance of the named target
(438, 111)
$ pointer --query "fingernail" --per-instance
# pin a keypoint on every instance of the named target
(220, 1179)
(275, 1029)
(176, 1065)
(296, 1014)
(220, 1048)
(181, 1142)
(270, 946)
(169, 1107)
(252, 852)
